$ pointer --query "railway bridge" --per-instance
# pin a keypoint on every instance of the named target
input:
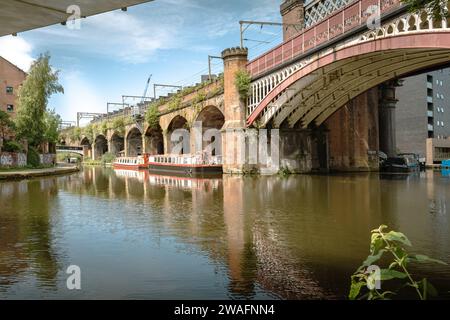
(328, 90)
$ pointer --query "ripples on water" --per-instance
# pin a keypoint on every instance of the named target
(139, 236)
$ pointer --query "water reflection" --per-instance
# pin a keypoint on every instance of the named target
(238, 237)
(25, 232)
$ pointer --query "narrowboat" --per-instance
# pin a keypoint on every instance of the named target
(401, 164)
(186, 164)
(414, 160)
(132, 163)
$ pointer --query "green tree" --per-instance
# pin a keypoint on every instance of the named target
(6, 124)
(37, 88)
(52, 121)
(436, 8)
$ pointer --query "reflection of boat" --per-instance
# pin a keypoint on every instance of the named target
(186, 164)
(135, 174)
(401, 164)
(132, 163)
(180, 181)
(183, 181)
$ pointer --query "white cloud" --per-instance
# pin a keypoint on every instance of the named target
(16, 50)
(117, 35)
(79, 96)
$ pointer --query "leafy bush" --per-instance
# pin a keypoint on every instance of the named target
(242, 82)
(368, 275)
(33, 158)
(152, 116)
(88, 131)
(175, 103)
(103, 128)
(108, 157)
(75, 134)
(12, 146)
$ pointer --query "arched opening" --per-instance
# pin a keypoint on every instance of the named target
(134, 143)
(101, 146)
(87, 147)
(154, 141)
(211, 118)
(117, 144)
(177, 123)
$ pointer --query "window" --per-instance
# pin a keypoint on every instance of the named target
(10, 108)
(9, 90)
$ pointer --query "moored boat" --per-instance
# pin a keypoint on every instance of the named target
(132, 163)
(400, 164)
(186, 164)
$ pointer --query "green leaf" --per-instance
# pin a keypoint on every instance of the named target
(423, 258)
(355, 288)
(373, 258)
(397, 237)
(376, 244)
(387, 274)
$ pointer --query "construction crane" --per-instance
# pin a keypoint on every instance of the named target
(137, 108)
(146, 88)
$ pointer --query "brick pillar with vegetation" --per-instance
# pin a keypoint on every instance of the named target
(235, 61)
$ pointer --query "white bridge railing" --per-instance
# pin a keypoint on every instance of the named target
(419, 22)
(336, 24)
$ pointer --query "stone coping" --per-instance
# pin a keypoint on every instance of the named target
(33, 173)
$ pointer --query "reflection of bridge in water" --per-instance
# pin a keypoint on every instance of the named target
(295, 237)
(209, 213)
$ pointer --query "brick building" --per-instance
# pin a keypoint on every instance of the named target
(11, 77)
(423, 111)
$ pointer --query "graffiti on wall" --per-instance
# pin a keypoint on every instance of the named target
(9, 159)
(47, 158)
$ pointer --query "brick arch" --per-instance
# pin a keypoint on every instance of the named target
(154, 140)
(133, 142)
(117, 142)
(211, 117)
(212, 121)
(419, 51)
(100, 146)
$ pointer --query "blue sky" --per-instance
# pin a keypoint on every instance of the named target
(114, 53)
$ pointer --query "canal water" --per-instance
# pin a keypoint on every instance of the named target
(141, 236)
